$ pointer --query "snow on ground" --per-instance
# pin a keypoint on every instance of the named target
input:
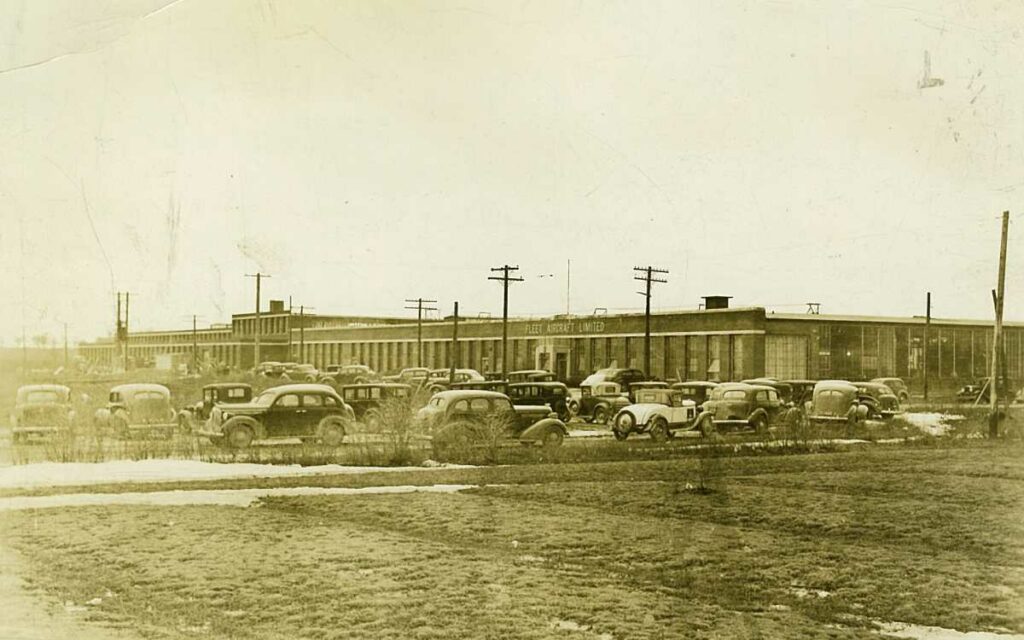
(225, 497)
(935, 424)
(63, 474)
(921, 632)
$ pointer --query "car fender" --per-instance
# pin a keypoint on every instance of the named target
(537, 430)
(704, 414)
(758, 412)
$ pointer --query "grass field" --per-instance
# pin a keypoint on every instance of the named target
(784, 546)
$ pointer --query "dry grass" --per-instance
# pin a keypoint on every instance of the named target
(931, 536)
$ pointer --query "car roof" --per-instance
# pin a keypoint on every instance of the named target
(44, 387)
(375, 385)
(459, 394)
(302, 387)
(227, 385)
(537, 383)
(140, 386)
(695, 383)
(824, 384)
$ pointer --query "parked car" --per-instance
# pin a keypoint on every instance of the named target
(879, 399)
(784, 388)
(898, 387)
(305, 411)
(598, 403)
(738, 405)
(270, 369)
(660, 412)
(623, 377)
(414, 376)
(553, 394)
(343, 374)
(138, 409)
(218, 392)
(978, 391)
(42, 410)
(531, 375)
(501, 386)
(695, 390)
(454, 416)
(633, 387)
(440, 379)
(300, 372)
(802, 391)
(836, 401)
(367, 400)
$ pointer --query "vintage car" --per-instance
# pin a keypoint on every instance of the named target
(879, 399)
(414, 376)
(977, 391)
(531, 375)
(836, 401)
(300, 372)
(660, 412)
(623, 377)
(898, 387)
(802, 391)
(738, 405)
(646, 384)
(305, 411)
(270, 369)
(441, 379)
(42, 410)
(369, 400)
(138, 409)
(216, 393)
(455, 417)
(598, 403)
(784, 388)
(344, 374)
(553, 394)
(695, 390)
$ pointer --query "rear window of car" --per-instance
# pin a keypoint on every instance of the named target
(312, 400)
(148, 395)
(42, 397)
(288, 400)
(479, 405)
(265, 399)
(236, 393)
(501, 404)
(735, 394)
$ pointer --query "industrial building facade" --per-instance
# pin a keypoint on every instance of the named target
(715, 344)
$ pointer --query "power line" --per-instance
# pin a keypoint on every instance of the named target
(648, 278)
(419, 324)
(256, 336)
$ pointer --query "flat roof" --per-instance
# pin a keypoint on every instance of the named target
(890, 319)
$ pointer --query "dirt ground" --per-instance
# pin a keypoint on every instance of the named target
(783, 546)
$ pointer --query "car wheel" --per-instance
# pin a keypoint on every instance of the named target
(239, 437)
(372, 419)
(619, 435)
(574, 408)
(659, 430)
(707, 426)
(119, 427)
(552, 438)
(760, 425)
(332, 433)
(600, 415)
(624, 423)
(184, 423)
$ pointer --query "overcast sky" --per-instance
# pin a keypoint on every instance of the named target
(366, 152)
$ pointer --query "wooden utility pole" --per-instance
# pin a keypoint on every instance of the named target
(195, 346)
(419, 324)
(927, 326)
(256, 334)
(648, 278)
(993, 393)
(505, 279)
(126, 331)
(65, 346)
(454, 356)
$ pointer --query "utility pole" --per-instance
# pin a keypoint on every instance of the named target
(65, 346)
(927, 326)
(993, 393)
(419, 325)
(126, 331)
(648, 278)
(454, 358)
(256, 335)
(505, 278)
(568, 282)
(195, 346)
(118, 330)
(302, 333)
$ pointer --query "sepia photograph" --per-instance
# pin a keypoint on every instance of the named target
(512, 319)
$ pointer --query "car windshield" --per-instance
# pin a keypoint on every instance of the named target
(265, 399)
(42, 397)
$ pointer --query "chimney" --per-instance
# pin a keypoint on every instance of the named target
(277, 306)
(716, 302)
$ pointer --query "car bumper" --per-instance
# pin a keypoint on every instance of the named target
(40, 431)
(732, 423)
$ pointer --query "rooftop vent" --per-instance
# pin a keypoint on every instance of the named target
(277, 306)
(716, 302)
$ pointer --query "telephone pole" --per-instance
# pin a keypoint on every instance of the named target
(648, 278)
(419, 324)
(927, 326)
(126, 294)
(454, 357)
(195, 346)
(505, 278)
(256, 334)
(997, 296)
(302, 334)
(65, 346)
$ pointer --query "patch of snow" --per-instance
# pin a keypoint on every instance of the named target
(779, 607)
(63, 474)
(224, 497)
(589, 433)
(801, 592)
(922, 632)
(935, 424)
(528, 558)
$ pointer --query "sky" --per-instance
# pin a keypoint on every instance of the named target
(857, 154)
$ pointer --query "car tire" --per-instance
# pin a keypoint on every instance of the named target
(760, 425)
(371, 419)
(239, 437)
(184, 423)
(601, 415)
(659, 430)
(574, 408)
(552, 438)
(119, 427)
(707, 426)
(625, 422)
(332, 432)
